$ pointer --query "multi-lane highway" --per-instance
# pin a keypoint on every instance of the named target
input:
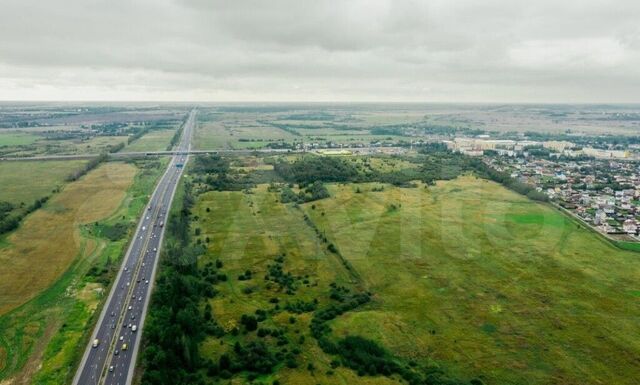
(111, 353)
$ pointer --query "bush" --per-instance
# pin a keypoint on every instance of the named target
(249, 322)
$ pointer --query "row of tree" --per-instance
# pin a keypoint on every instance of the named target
(176, 326)
(215, 172)
(9, 221)
(90, 165)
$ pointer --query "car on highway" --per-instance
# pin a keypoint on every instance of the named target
(141, 251)
(96, 342)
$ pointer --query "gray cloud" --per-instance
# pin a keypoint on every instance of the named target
(413, 50)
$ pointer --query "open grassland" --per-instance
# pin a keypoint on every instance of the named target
(93, 145)
(232, 134)
(28, 181)
(10, 138)
(248, 232)
(40, 340)
(486, 283)
(156, 140)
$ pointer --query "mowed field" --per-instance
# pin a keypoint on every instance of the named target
(48, 240)
(486, 283)
(247, 232)
(28, 181)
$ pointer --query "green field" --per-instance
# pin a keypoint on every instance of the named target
(16, 138)
(466, 275)
(247, 232)
(231, 133)
(28, 181)
(94, 145)
(487, 283)
(89, 145)
(156, 140)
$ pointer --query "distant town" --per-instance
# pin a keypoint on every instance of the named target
(600, 186)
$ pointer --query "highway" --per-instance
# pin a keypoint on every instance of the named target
(111, 353)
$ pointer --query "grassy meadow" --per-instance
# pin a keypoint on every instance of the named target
(156, 140)
(28, 181)
(486, 283)
(247, 232)
(48, 240)
(16, 138)
(48, 296)
(231, 134)
(465, 275)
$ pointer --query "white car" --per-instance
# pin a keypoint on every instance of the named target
(134, 328)
(130, 307)
(121, 338)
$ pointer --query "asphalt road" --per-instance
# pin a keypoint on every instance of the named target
(110, 361)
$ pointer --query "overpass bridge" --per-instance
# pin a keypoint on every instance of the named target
(143, 154)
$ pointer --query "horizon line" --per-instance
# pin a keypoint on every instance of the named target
(316, 102)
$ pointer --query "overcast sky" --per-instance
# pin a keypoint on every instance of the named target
(321, 50)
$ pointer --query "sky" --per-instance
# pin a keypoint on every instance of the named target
(585, 51)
